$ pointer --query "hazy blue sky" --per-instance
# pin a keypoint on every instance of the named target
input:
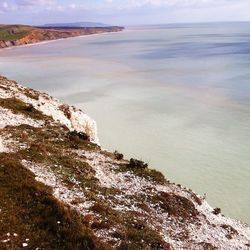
(123, 11)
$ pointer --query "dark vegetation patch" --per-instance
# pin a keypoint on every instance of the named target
(57, 138)
(133, 233)
(31, 93)
(108, 154)
(77, 136)
(65, 109)
(139, 168)
(153, 175)
(175, 205)
(19, 107)
(29, 210)
(137, 164)
(140, 236)
(118, 156)
(230, 231)
(217, 211)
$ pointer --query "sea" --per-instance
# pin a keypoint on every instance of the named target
(176, 96)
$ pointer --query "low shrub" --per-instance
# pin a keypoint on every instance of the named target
(217, 211)
(74, 136)
(134, 163)
(118, 156)
(175, 205)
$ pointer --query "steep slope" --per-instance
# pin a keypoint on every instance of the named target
(60, 190)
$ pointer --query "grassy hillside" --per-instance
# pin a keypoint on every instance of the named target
(13, 32)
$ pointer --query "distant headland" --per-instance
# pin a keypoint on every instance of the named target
(14, 35)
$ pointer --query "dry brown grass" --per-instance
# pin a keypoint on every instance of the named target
(19, 107)
(29, 209)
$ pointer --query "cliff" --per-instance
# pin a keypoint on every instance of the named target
(60, 190)
(14, 35)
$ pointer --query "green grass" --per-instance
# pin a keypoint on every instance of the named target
(13, 32)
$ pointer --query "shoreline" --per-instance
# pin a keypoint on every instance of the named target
(59, 39)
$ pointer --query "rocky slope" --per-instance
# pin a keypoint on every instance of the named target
(60, 190)
(14, 35)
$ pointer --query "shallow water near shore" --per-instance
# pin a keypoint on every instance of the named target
(176, 96)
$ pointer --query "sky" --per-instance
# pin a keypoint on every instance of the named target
(123, 12)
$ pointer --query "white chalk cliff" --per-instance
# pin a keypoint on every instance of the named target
(71, 117)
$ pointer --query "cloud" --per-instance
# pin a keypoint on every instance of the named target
(5, 6)
(14, 5)
(124, 11)
(34, 2)
(171, 3)
(116, 4)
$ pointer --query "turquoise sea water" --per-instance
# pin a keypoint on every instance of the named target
(177, 96)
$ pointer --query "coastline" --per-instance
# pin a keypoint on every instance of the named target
(76, 66)
(138, 199)
(59, 39)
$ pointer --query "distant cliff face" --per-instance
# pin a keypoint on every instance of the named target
(60, 190)
(15, 35)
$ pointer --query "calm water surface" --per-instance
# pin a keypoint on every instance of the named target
(177, 96)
